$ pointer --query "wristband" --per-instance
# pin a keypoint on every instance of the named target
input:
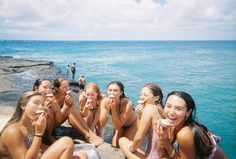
(38, 135)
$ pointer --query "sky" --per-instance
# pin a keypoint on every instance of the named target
(118, 19)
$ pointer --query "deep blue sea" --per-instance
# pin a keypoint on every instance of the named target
(205, 69)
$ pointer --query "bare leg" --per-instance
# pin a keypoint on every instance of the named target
(49, 129)
(124, 146)
(61, 149)
(79, 124)
(115, 138)
(98, 130)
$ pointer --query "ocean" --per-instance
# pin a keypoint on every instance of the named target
(204, 69)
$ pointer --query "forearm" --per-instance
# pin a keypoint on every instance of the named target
(115, 120)
(33, 151)
(84, 112)
(104, 116)
(95, 120)
(64, 112)
(103, 120)
(135, 145)
(167, 152)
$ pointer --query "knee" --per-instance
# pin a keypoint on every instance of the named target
(67, 142)
(123, 141)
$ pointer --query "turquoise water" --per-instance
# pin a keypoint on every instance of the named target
(205, 69)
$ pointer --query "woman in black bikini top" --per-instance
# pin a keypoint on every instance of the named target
(120, 108)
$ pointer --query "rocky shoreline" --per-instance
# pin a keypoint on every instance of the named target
(19, 75)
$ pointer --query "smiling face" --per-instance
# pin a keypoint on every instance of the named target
(146, 96)
(91, 93)
(176, 111)
(44, 88)
(33, 106)
(113, 91)
(64, 87)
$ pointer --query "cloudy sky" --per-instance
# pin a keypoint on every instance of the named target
(118, 19)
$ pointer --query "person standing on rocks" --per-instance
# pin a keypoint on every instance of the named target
(67, 71)
(73, 70)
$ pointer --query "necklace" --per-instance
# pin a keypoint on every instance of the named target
(29, 137)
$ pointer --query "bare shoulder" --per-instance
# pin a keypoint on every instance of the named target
(150, 109)
(11, 134)
(126, 103)
(104, 100)
(185, 137)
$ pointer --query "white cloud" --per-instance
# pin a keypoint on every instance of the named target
(118, 19)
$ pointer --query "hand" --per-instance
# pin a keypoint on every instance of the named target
(69, 100)
(139, 109)
(131, 148)
(163, 134)
(84, 96)
(109, 104)
(88, 104)
(40, 124)
(53, 104)
(47, 107)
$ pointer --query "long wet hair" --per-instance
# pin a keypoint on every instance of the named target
(121, 86)
(22, 102)
(202, 141)
(156, 91)
(38, 82)
(96, 88)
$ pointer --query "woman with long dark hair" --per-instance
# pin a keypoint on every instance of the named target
(54, 114)
(184, 137)
(121, 110)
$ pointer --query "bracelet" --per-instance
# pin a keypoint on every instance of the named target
(38, 135)
(171, 153)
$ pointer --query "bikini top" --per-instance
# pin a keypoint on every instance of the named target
(214, 146)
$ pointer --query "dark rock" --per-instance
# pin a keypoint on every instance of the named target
(18, 75)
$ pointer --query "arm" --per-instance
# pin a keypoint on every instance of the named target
(104, 112)
(82, 102)
(186, 145)
(119, 119)
(14, 140)
(96, 118)
(56, 109)
(145, 122)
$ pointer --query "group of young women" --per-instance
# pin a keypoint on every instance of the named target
(40, 111)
